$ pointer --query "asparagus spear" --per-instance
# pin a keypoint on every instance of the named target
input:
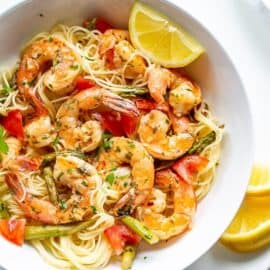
(4, 213)
(47, 231)
(48, 176)
(128, 257)
(134, 224)
(198, 146)
(130, 91)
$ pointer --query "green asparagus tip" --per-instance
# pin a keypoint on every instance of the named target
(134, 224)
(200, 145)
(128, 258)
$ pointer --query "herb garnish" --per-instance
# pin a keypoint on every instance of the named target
(110, 178)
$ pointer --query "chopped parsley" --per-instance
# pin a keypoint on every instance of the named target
(69, 170)
(90, 24)
(60, 175)
(74, 66)
(84, 183)
(128, 156)
(3, 144)
(131, 144)
(110, 178)
(62, 205)
(55, 141)
(55, 62)
(83, 170)
(94, 209)
(6, 89)
(106, 141)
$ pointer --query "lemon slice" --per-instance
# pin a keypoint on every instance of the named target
(250, 229)
(259, 183)
(163, 41)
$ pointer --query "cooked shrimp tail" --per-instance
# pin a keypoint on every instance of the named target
(120, 104)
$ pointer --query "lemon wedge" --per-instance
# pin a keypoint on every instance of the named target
(259, 183)
(163, 41)
(250, 229)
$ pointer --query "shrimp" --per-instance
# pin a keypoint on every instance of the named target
(87, 136)
(184, 207)
(184, 95)
(153, 129)
(157, 202)
(123, 52)
(14, 161)
(14, 148)
(77, 175)
(126, 151)
(40, 131)
(63, 68)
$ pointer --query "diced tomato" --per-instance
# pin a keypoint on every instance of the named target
(102, 25)
(109, 58)
(119, 236)
(97, 23)
(111, 121)
(13, 230)
(82, 83)
(13, 123)
(119, 124)
(148, 105)
(129, 124)
(188, 166)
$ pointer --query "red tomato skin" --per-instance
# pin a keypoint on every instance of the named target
(82, 83)
(102, 25)
(186, 167)
(111, 121)
(109, 58)
(129, 123)
(119, 235)
(13, 230)
(13, 123)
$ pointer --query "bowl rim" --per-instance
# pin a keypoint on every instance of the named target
(179, 7)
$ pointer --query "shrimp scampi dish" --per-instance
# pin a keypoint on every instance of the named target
(101, 147)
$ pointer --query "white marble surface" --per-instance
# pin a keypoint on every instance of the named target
(242, 27)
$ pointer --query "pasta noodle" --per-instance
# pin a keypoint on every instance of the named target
(89, 249)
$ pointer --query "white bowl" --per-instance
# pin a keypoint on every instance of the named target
(223, 90)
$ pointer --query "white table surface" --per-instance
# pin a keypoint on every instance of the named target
(242, 27)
